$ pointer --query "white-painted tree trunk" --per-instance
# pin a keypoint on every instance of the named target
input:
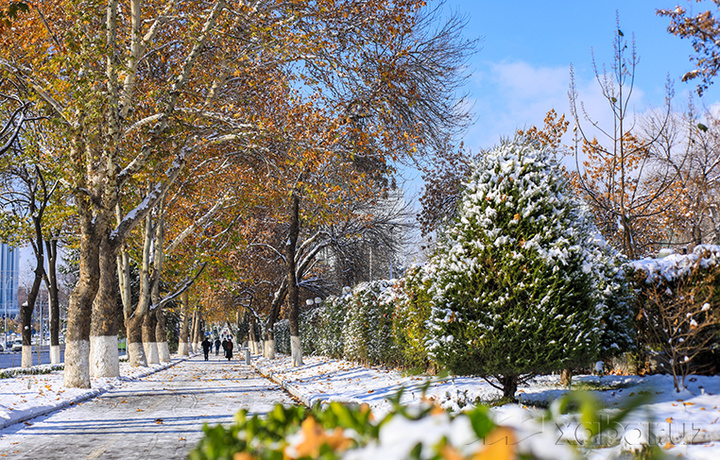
(55, 354)
(270, 349)
(104, 358)
(77, 376)
(164, 352)
(26, 357)
(296, 350)
(136, 354)
(151, 352)
(253, 347)
(183, 349)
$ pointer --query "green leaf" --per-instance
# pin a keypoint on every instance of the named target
(480, 421)
(702, 127)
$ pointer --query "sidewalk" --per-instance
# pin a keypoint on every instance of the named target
(27, 396)
(158, 416)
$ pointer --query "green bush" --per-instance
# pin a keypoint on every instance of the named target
(321, 328)
(517, 273)
(282, 336)
(368, 328)
(412, 310)
(338, 431)
(323, 432)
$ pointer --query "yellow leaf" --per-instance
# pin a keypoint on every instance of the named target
(499, 445)
(450, 453)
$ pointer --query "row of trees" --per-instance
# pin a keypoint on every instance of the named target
(173, 143)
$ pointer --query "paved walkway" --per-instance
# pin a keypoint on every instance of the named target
(158, 417)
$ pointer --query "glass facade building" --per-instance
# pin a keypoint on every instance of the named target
(9, 276)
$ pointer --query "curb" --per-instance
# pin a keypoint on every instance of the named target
(307, 399)
(92, 393)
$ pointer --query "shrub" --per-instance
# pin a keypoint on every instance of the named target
(412, 310)
(329, 325)
(423, 431)
(515, 291)
(367, 331)
(678, 304)
(282, 336)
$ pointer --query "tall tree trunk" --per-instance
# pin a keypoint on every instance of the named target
(183, 348)
(135, 349)
(51, 246)
(252, 336)
(199, 332)
(193, 331)
(293, 288)
(135, 319)
(278, 299)
(149, 339)
(26, 310)
(161, 336)
(104, 358)
(77, 338)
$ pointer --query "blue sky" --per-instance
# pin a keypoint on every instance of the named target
(527, 46)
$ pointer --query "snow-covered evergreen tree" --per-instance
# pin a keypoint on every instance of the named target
(517, 289)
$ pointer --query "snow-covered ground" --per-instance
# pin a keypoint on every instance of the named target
(690, 420)
(28, 396)
(686, 423)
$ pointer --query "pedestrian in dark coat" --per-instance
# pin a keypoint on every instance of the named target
(207, 345)
(229, 349)
(217, 346)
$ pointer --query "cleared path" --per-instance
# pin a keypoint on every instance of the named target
(159, 417)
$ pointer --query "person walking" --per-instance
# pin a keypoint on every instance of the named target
(217, 345)
(229, 349)
(207, 346)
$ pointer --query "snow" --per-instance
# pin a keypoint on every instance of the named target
(27, 396)
(673, 266)
(687, 419)
(690, 419)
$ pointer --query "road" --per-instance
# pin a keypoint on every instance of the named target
(14, 359)
(158, 417)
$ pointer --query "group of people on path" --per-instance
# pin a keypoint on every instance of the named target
(227, 346)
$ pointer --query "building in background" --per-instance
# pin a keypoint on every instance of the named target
(9, 277)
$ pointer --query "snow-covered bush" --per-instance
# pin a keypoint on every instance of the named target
(321, 328)
(282, 336)
(679, 299)
(411, 299)
(367, 330)
(515, 291)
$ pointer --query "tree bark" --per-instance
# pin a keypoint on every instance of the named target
(509, 384)
(51, 246)
(292, 282)
(161, 336)
(269, 345)
(149, 340)
(77, 339)
(566, 377)
(193, 331)
(183, 348)
(104, 358)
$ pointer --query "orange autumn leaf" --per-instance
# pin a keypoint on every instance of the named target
(314, 437)
(499, 445)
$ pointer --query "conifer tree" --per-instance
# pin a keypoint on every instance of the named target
(517, 290)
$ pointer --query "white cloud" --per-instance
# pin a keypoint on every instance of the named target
(515, 95)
